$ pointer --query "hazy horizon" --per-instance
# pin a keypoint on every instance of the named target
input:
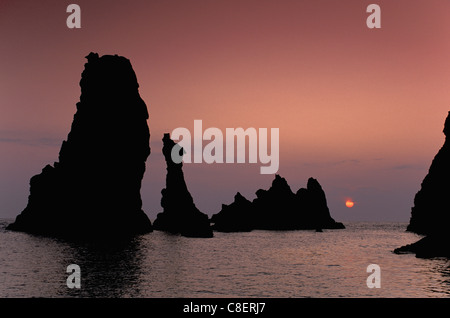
(361, 110)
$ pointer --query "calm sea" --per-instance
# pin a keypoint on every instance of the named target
(255, 264)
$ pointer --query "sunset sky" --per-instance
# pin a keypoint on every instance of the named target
(361, 110)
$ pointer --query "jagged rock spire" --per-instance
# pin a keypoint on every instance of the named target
(180, 215)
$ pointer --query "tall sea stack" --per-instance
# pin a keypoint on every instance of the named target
(180, 215)
(430, 215)
(93, 191)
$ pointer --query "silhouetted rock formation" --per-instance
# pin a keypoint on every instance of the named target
(433, 245)
(94, 189)
(431, 212)
(313, 203)
(180, 215)
(278, 209)
(236, 217)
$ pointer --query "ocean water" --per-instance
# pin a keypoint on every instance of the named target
(332, 263)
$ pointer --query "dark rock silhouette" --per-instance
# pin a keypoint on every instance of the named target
(313, 203)
(278, 209)
(275, 208)
(180, 215)
(236, 217)
(433, 245)
(93, 191)
(430, 215)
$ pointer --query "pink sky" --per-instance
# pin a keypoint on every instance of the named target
(361, 110)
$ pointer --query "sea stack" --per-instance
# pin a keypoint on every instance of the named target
(93, 191)
(430, 214)
(278, 208)
(313, 202)
(236, 217)
(180, 215)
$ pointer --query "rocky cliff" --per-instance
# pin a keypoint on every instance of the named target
(180, 215)
(93, 191)
(431, 211)
(430, 214)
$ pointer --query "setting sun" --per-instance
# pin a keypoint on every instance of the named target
(349, 203)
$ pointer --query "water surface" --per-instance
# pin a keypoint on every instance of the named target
(254, 264)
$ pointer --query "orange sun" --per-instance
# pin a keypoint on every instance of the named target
(349, 203)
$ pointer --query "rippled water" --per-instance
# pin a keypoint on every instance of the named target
(255, 264)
